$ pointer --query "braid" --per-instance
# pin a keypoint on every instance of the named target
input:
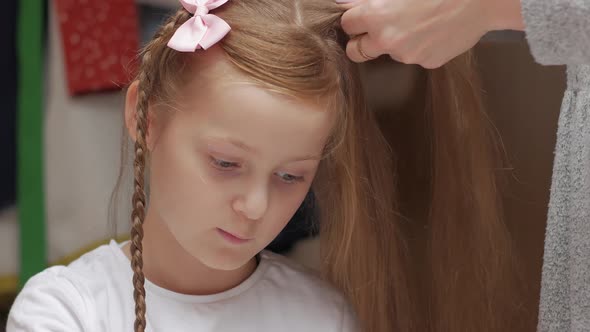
(138, 200)
(145, 88)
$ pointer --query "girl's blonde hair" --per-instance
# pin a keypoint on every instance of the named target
(296, 47)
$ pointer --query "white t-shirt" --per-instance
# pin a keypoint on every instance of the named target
(95, 293)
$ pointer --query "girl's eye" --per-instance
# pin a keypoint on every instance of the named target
(289, 178)
(223, 164)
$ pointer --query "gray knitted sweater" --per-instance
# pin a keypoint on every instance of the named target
(558, 32)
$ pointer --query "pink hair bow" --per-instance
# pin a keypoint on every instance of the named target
(203, 30)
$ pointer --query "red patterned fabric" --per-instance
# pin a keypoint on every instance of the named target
(100, 40)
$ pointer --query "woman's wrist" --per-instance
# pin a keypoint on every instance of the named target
(504, 15)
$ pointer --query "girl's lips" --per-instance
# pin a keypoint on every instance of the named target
(232, 238)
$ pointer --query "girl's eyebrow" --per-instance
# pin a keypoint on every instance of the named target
(235, 142)
(241, 145)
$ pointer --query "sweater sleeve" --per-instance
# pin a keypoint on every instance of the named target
(558, 31)
(49, 302)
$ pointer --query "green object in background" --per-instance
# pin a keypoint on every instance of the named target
(30, 198)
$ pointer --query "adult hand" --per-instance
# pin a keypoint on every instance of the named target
(424, 32)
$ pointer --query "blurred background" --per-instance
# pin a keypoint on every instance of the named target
(64, 68)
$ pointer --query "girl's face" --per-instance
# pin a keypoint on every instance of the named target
(232, 165)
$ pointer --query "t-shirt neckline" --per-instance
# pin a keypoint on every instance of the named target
(160, 291)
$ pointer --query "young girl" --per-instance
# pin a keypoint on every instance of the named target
(232, 128)
(234, 138)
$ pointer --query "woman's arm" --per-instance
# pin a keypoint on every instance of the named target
(430, 33)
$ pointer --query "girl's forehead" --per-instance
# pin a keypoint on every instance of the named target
(274, 125)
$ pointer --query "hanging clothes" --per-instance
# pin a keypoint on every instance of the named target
(100, 41)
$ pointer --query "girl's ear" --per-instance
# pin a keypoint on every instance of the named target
(131, 115)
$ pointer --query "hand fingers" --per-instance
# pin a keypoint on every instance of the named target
(362, 48)
(353, 20)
